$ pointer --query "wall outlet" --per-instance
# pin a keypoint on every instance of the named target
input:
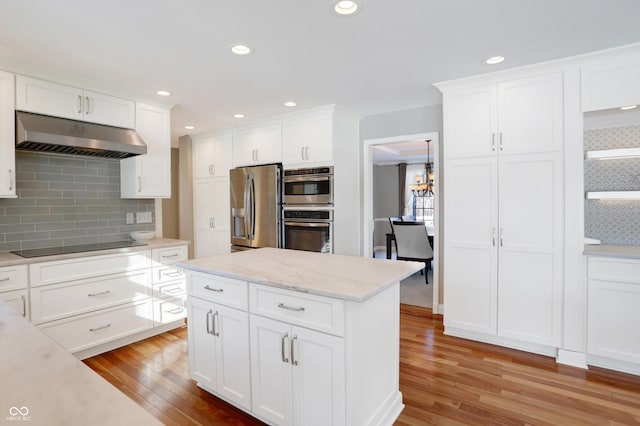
(129, 219)
(143, 217)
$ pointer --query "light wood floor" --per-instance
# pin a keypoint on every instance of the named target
(444, 381)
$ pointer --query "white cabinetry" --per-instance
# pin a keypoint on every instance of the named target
(307, 140)
(260, 145)
(149, 175)
(7, 136)
(212, 216)
(613, 338)
(13, 288)
(504, 183)
(44, 97)
(219, 337)
(212, 156)
(169, 285)
(611, 84)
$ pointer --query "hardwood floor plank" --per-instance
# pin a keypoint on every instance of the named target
(445, 380)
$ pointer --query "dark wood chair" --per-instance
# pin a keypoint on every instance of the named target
(412, 243)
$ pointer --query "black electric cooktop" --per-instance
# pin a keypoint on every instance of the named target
(50, 251)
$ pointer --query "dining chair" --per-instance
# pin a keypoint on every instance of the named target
(412, 243)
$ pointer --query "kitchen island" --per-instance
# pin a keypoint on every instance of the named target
(298, 338)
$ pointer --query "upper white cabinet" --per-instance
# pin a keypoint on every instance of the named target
(611, 84)
(7, 136)
(260, 145)
(44, 97)
(212, 156)
(516, 117)
(503, 179)
(149, 175)
(307, 140)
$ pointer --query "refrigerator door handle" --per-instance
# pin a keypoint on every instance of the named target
(247, 219)
(252, 211)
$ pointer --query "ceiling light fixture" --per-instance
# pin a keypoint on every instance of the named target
(189, 127)
(290, 104)
(495, 60)
(345, 7)
(241, 49)
(163, 93)
(238, 115)
(624, 108)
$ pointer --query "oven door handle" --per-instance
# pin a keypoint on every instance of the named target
(307, 178)
(309, 224)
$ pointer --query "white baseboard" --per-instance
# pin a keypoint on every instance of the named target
(574, 359)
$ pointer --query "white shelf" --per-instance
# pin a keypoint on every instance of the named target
(610, 154)
(614, 195)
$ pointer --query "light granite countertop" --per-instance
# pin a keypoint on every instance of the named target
(342, 277)
(609, 250)
(43, 384)
(10, 259)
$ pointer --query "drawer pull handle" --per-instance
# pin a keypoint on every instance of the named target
(282, 347)
(293, 340)
(291, 308)
(24, 306)
(174, 290)
(99, 294)
(5, 279)
(175, 311)
(208, 321)
(174, 274)
(170, 255)
(217, 290)
(100, 328)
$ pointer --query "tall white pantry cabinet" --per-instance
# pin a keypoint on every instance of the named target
(503, 232)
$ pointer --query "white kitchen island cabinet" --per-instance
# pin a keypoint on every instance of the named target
(323, 334)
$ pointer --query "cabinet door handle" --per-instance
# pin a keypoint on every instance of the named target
(10, 180)
(501, 237)
(302, 153)
(175, 311)
(291, 308)
(5, 279)
(215, 333)
(88, 109)
(139, 183)
(293, 340)
(493, 237)
(208, 321)
(100, 328)
(257, 160)
(24, 306)
(213, 169)
(282, 348)
(79, 103)
(212, 222)
(99, 294)
(174, 274)
(167, 256)
(217, 290)
(306, 152)
(500, 141)
(493, 142)
(174, 290)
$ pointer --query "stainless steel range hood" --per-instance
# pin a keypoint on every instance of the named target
(42, 133)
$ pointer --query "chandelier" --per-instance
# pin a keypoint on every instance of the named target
(420, 188)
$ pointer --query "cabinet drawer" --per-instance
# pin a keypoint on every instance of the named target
(58, 301)
(168, 310)
(307, 310)
(86, 267)
(17, 299)
(13, 278)
(610, 269)
(85, 331)
(169, 255)
(226, 291)
(163, 274)
(172, 289)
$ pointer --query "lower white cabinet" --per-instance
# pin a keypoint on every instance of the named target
(613, 314)
(298, 375)
(219, 349)
(17, 300)
(13, 288)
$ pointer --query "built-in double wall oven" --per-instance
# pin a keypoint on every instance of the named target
(307, 214)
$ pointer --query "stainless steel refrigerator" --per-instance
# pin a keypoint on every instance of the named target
(255, 207)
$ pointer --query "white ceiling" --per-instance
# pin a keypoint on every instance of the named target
(384, 58)
(408, 152)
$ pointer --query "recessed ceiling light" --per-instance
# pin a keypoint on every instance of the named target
(290, 104)
(189, 127)
(238, 115)
(495, 60)
(241, 49)
(163, 93)
(624, 108)
(345, 7)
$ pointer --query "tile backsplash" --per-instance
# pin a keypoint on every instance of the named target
(612, 221)
(66, 200)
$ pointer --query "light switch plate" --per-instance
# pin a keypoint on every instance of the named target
(143, 217)
(129, 219)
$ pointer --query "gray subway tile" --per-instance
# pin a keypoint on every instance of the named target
(17, 228)
(55, 177)
(43, 218)
(68, 161)
(122, 236)
(71, 186)
(79, 194)
(80, 171)
(68, 233)
(8, 246)
(39, 193)
(102, 231)
(26, 236)
(77, 217)
(73, 241)
(32, 184)
(54, 202)
(27, 245)
(39, 168)
(27, 211)
(53, 226)
(6, 219)
(68, 209)
(24, 176)
(15, 202)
